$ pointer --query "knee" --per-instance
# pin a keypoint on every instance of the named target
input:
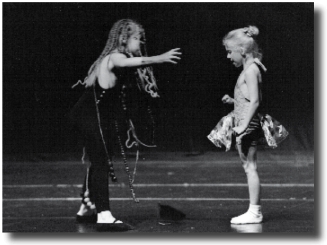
(249, 167)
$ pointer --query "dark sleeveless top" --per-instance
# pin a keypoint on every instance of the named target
(123, 102)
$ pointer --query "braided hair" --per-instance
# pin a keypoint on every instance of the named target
(117, 39)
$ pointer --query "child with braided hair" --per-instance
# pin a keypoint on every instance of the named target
(242, 50)
(104, 109)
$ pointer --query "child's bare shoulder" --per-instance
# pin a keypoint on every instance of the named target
(253, 69)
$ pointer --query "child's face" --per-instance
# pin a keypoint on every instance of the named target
(133, 44)
(234, 55)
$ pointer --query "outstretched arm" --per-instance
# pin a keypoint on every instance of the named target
(120, 60)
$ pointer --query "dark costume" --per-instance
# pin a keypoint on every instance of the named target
(107, 118)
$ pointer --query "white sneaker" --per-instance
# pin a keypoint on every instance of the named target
(107, 218)
(247, 218)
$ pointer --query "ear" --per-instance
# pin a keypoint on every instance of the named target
(242, 51)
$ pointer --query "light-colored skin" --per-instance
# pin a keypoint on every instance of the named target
(107, 79)
(249, 84)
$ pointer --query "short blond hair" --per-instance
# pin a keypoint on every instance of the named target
(244, 38)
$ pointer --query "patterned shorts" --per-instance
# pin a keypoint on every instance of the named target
(252, 134)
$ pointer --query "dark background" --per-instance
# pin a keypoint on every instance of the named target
(48, 47)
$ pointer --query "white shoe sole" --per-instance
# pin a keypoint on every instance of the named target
(246, 219)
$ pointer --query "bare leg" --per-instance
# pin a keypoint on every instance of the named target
(249, 162)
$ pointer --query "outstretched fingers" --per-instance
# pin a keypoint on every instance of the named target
(175, 55)
(175, 51)
(174, 58)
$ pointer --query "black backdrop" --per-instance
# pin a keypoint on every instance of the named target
(47, 47)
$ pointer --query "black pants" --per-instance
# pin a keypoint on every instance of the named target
(98, 182)
(99, 142)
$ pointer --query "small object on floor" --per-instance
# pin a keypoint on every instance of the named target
(113, 227)
(168, 213)
(86, 218)
(164, 223)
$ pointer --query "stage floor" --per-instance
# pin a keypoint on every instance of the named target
(42, 195)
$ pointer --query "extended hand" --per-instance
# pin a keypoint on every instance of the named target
(239, 129)
(227, 99)
(171, 56)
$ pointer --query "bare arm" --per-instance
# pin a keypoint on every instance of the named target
(252, 82)
(251, 78)
(120, 60)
